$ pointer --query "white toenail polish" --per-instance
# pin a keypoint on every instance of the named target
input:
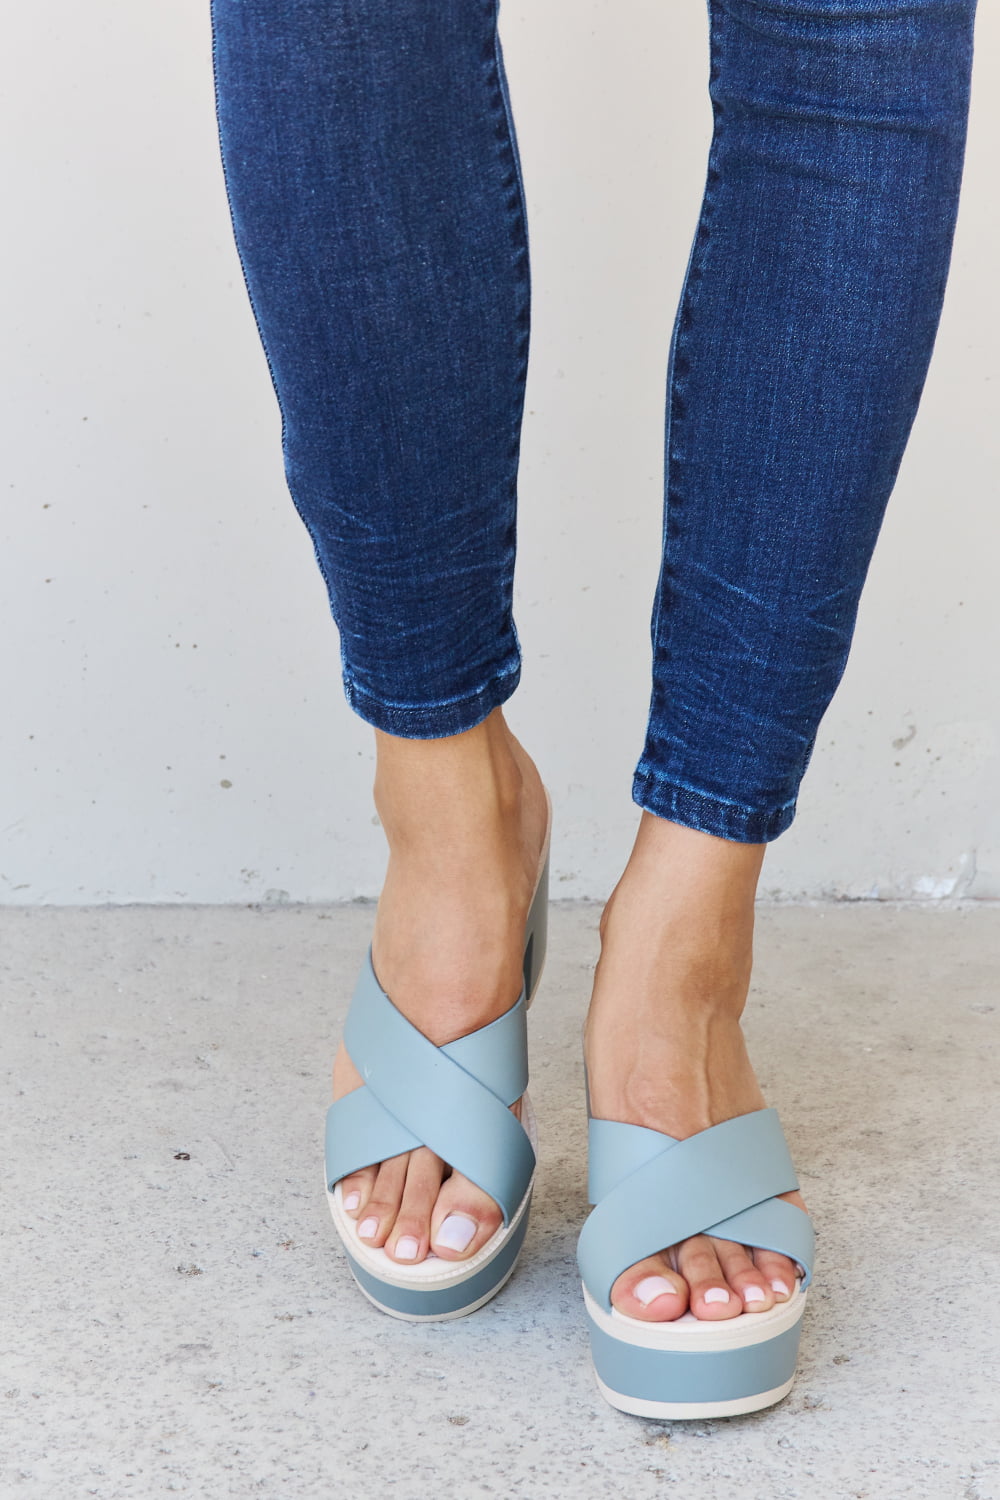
(780, 1288)
(652, 1287)
(716, 1294)
(456, 1232)
(352, 1201)
(407, 1247)
(368, 1230)
(754, 1294)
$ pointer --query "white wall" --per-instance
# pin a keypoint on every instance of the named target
(172, 724)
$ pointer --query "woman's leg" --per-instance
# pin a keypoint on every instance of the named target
(376, 199)
(375, 194)
(799, 354)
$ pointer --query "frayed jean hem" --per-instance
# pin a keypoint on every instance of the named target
(692, 809)
(432, 721)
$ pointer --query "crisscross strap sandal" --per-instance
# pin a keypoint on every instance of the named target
(456, 1100)
(651, 1192)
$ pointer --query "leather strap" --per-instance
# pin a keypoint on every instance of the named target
(653, 1191)
(454, 1099)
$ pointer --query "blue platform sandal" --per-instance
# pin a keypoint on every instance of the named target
(456, 1100)
(651, 1192)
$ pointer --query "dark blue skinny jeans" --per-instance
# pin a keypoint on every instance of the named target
(376, 197)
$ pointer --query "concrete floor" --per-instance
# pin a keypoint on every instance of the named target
(188, 1326)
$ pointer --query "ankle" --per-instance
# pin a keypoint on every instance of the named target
(678, 927)
(464, 818)
(680, 961)
(682, 872)
(466, 790)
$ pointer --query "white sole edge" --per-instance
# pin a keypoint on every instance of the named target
(689, 1333)
(447, 1317)
(679, 1411)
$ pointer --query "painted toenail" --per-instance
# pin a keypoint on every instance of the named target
(368, 1230)
(754, 1294)
(456, 1232)
(352, 1201)
(780, 1288)
(407, 1247)
(716, 1294)
(652, 1287)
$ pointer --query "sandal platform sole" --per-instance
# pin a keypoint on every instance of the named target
(690, 1368)
(436, 1290)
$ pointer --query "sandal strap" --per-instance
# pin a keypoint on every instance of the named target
(656, 1191)
(454, 1099)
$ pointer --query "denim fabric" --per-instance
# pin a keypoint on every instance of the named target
(377, 206)
(376, 198)
(799, 354)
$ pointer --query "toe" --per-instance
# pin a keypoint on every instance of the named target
(464, 1218)
(651, 1290)
(710, 1295)
(743, 1276)
(376, 1222)
(409, 1240)
(778, 1273)
(356, 1190)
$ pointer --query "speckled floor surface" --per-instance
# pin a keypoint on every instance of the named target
(178, 1319)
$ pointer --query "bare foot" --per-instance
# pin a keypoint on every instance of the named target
(465, 818)
(665, 1048)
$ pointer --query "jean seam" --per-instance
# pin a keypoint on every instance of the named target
(518, 223)
(720, 816)
(673, 499)
(648, 773)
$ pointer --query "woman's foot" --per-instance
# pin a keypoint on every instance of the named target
(465, 818)
(665, 1048)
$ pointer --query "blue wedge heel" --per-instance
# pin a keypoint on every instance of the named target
(455, 1099)
(651, 1192)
